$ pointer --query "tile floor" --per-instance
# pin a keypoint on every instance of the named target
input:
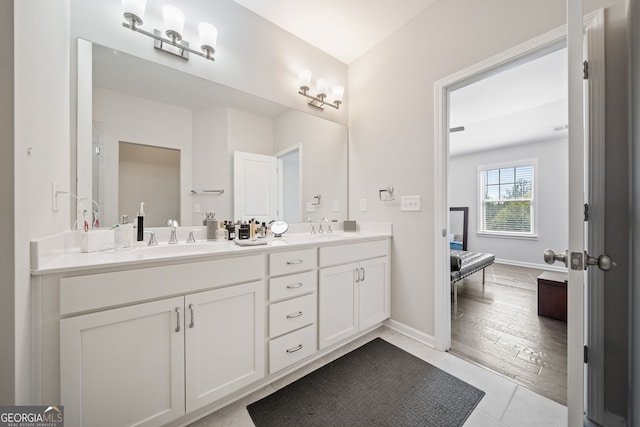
(504, 404)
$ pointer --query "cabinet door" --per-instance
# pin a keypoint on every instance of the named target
(373, 292)
(125, 366)
(337, 304)
(224, 342)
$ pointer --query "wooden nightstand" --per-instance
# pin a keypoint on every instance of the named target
(552, 295)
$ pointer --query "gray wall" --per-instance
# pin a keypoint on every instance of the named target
(552, 208)
(391, 143)
(7, 349)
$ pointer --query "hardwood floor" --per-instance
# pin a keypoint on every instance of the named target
(500, 329)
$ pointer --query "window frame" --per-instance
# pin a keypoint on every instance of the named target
(480, 231)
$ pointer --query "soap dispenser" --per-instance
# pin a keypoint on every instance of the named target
(141, 223)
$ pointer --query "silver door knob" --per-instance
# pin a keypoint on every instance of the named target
(604, 262)
(550, 257)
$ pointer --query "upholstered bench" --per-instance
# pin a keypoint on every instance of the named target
(465, 263)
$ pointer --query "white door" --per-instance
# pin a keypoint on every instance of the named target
(224, 342)
(124, 366)
(255, 186)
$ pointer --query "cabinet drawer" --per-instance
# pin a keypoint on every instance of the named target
(292, 286)
(292, 262)
(344, 254)
(291, 348)
(292, 314)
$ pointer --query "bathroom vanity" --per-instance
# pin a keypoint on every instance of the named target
(167, 334)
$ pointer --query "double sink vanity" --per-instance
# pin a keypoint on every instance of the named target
(166, 334)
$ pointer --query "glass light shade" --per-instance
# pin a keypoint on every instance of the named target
(322, 86)
(173, 20)
(208, 34)
(134, 7)
(338, 93)
(304, 78)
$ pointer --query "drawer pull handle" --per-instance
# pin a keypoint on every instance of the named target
(178, 321)
(192, 323)
(362, 270)
(294, 285)
(294, 349)
(294, 315)
(294, 261)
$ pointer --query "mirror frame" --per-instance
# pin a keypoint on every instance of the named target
(465, 222)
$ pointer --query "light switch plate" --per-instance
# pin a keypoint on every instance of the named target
(336, 206)
(363, 205)
(310, 207)
(410, 204)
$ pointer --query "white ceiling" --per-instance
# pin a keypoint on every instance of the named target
(520, 105)
(345, 29)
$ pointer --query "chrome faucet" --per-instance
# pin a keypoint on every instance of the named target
(191, 238)
(320, 230)
(174, 225)
(152, 238)
(313, 227)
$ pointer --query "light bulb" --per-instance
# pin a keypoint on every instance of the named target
(208, 35)
(173, 22)
(133, 10)
(338, 93)
(321, 87)
(304, 78)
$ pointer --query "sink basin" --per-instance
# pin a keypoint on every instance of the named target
(175, 250)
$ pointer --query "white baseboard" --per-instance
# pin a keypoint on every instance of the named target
(412, 333)
(546, 267)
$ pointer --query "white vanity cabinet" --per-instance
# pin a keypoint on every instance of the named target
(122, 340)
(293, 304)
(150, 363)
(353, 295)
(123, 366)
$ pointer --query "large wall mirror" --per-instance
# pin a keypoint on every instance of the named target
(190, 129)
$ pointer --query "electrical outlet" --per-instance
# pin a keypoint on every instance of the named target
(54, 196)
(196, 208)
(363, 205)
(410, 203)
(336, 206)
(311, 207)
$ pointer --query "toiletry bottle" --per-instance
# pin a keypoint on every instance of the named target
(221, 233)
(124, 233)
(212, 225)
(231, 227)
(140, 236)
(252, 229)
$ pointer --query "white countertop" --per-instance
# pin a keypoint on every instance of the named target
(72, 259)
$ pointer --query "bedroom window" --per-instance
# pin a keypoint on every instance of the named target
(507, 200)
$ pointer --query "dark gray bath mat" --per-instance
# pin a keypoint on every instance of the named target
(377, 384)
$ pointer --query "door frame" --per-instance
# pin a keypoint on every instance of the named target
(594, 34)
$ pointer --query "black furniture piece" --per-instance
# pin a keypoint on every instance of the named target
(464, 263)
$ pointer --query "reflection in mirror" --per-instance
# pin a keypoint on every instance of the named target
(150, 175)
(139, 102)
(458, 225)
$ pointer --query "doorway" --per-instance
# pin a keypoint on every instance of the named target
(508, 163)
(593, 44)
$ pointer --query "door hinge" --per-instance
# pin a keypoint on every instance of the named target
(586, 212)
(586, 354)
(585, 70)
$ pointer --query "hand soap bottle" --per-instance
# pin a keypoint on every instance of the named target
(141, 223)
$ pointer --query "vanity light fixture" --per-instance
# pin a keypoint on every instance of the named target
(171, 42)
(319, 100)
